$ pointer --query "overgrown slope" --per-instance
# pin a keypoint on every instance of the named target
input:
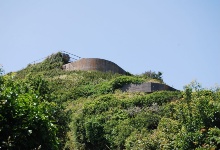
(95, 114)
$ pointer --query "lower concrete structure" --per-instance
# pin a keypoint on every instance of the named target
(147, 87)
(96, 64)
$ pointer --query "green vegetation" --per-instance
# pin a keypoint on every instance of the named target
(28, 116)
(153, 75)
(44, 107)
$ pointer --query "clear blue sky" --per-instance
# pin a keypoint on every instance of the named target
(180, 38)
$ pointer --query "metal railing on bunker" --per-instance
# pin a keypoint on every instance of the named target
(72, 57)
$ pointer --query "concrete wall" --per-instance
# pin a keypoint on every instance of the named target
(146, 87)
(96, 64)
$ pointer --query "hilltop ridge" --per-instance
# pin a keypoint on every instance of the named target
(88, 110)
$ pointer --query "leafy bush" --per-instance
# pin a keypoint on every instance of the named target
(27, 119)
(153, 75)
(107, 121)
(160, 120)
(191, 123)
(53, 62)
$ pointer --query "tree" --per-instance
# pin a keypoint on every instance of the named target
(153, 75)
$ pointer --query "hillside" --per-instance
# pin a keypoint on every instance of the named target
(55, 109)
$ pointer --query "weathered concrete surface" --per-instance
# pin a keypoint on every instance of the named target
(146, 87)
(96, 64)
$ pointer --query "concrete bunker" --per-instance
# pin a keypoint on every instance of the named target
(94, 64)
(97, 64)
(147, 87)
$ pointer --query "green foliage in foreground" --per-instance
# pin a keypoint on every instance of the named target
(107, 121)
(191, 123)
(161, 120)
(28, 117)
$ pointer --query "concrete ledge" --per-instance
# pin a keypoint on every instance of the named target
(147, 87)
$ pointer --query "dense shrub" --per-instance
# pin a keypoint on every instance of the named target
(190, 123)
(28, 118)
(153, 75)
(107, 121)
